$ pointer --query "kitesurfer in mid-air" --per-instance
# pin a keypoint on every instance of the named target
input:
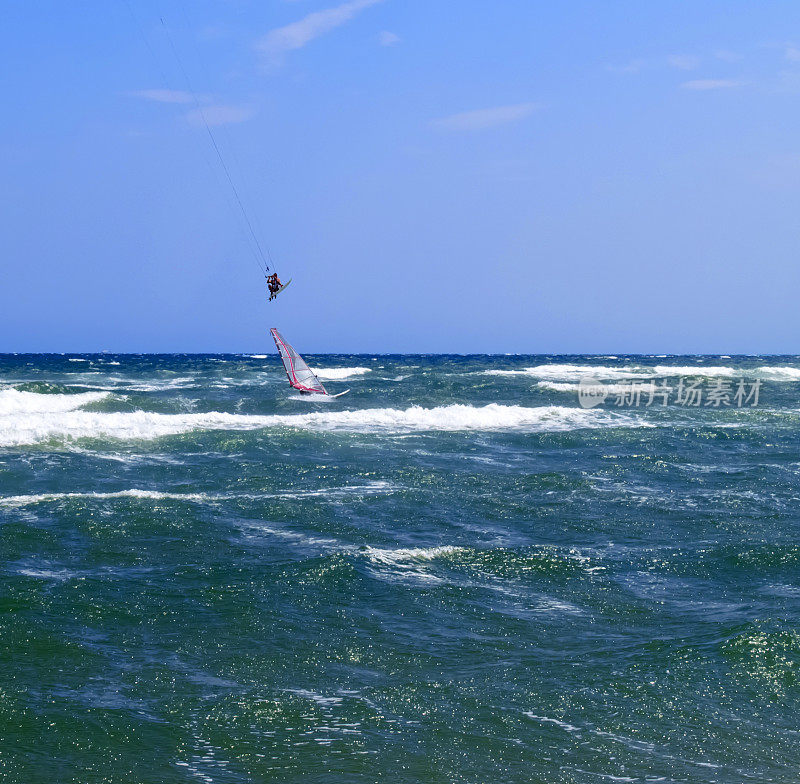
(274, 285)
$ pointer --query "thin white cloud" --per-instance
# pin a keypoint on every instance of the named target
(634, 66)
(220, 115)
(386, 38)
(787, 82)
(792, 54)
(279, 42)
(479, 119)
(711, 84)
(684, 62)
(727, 56)
(164, 96)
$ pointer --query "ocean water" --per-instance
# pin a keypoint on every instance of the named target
(454, 573)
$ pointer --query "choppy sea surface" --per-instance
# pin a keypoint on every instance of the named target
(454, 573)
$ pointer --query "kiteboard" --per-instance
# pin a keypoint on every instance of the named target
(281, 289)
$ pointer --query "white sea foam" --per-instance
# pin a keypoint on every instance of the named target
(329, 493)
(707, 371)
(548, 720)
(780, 372)
(564, 386)
(406, 556)
(125, 385)
(258, 356)
(37, 498)
(406, 564)
(566, 372)
(59, 575)
(319, 699)
(563, 372)
(371, 488)
(333, 374)
(15, 401)
(122, 385)
(33, 426)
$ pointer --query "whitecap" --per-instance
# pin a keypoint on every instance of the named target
(408, 564)
(333, 374)
(32, 427)
(330, 493)
(696, 370)
(548, 720)
(15, 401)
(781, 372)
(37, 498)
(405, 556)
(319, 699)
(167, 385)
(564, 386)
(59, 575)
(566, 372)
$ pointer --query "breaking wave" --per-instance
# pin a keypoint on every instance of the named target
(405, 556)
(409, 564)
(566, 372)
(15, 401)
(563, 372)
(35, 418)
(333, 374)
(697, 370)
(780, 372)
(565, 386)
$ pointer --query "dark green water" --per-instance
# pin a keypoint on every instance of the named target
(452, 574)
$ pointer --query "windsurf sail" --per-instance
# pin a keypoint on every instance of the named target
(301, 376)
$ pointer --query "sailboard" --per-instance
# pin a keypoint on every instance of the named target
(301, 376)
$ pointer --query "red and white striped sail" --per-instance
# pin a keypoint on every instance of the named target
(301, 377)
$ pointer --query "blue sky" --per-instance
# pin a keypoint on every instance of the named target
(509, 176)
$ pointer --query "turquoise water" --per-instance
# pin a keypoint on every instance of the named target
(454, 573)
